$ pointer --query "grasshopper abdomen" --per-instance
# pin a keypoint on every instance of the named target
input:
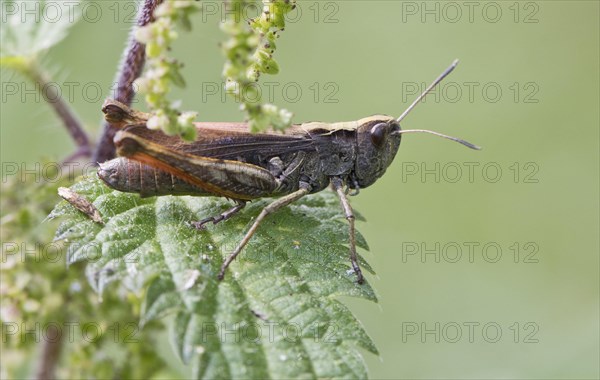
(134, 177)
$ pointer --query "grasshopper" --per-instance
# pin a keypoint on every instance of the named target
(227, 160)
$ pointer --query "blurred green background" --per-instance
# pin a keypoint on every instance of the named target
(524, 301)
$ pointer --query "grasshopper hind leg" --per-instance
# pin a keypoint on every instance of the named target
(271, 208)
(338, 186)
(200, 225)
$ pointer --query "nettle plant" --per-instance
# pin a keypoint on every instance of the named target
(138, 274)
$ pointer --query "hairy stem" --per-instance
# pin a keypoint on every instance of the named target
(63, 110)
(130, 69)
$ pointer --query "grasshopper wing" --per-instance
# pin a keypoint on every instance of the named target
(227, 178)
(230, 141)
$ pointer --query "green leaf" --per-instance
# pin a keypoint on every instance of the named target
(32, 27)
(38, 290)
(276, 313)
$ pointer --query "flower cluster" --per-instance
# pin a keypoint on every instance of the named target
(249, 52)
(163, 71)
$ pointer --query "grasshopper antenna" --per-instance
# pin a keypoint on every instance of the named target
(420, 97)
(431, 86)
(460, 141)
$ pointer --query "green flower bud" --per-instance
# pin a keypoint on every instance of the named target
(142, 85)
(249, 53)
(189, 133)
(158, 122)
(143, 34)
(186, 119)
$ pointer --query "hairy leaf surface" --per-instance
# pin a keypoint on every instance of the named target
(276, 314)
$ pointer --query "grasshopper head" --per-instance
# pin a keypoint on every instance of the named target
(377, 142)
(379, 139)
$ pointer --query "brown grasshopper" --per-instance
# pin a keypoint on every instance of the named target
(227, 160)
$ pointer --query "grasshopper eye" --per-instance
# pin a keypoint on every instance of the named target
(378, 134)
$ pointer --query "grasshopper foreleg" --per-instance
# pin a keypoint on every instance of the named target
(223, 216)
(338, 186)
(279, 203)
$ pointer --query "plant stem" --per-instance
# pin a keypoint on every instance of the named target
(130, 69)
(50, 354)
(63, 110)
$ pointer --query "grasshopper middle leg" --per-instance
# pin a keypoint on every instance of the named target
(223, 216)
(279, 203)
(337, 185)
